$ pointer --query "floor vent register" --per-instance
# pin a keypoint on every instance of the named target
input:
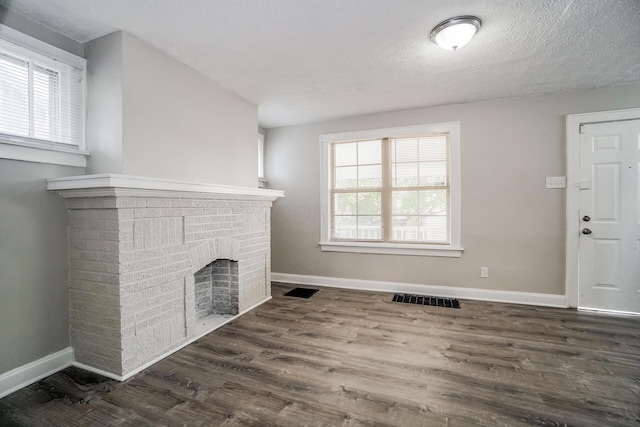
(426, 300)
(301, 292)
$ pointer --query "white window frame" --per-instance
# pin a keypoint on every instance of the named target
(31, 150)
(453, 249)
(261, 177)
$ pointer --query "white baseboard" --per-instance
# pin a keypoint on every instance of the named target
(28, 374)
(546, 300)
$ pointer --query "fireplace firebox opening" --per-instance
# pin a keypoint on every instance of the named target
(216, 288)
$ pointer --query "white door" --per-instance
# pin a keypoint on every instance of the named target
(609, 272)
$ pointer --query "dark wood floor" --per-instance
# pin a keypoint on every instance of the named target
(347, 358)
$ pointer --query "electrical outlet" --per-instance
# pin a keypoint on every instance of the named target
(484, 271)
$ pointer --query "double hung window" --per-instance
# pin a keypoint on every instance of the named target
(392, 191)
(42, 92)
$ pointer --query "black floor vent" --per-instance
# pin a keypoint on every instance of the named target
(426, 300)
(301, 292)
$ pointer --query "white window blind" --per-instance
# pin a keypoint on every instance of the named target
(420, 189)
(41, 97)
(394, 189)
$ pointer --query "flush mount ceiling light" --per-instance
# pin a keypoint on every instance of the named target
(456, 32)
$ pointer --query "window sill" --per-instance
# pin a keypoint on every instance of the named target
(392, 249)
(42, 153)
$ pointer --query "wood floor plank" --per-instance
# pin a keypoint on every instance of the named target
(350, 358)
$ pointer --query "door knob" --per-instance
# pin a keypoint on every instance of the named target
(586, 231)
(586, 218)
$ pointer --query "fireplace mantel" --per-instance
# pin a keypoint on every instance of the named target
(135, 186)
(135, 247)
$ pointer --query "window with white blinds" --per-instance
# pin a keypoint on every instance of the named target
(395, 189)
(41, 95)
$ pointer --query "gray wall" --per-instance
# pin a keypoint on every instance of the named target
(34, 288)
(34, 292)
(150, 115)
(104, 104)
(510, 222)
(179, 124)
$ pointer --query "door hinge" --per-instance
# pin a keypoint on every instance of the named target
(580, 128)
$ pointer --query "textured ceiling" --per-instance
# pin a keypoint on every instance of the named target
(310, 60)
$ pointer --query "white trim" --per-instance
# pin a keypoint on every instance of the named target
(388, 132)
(42, 153)
(392, 248)
(325, 183)
(24, 41)
(573, 123)
(133, 192)
(32, 49)
(261, 177)
(112, 181)
(528, 298)
(25, 375)
(454, 249)
(608, 312)
(28, 374)
(186, 343)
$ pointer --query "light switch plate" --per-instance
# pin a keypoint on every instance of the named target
(556, 182)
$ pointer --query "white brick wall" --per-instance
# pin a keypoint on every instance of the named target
(132, 265)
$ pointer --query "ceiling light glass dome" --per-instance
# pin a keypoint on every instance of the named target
(456, 32)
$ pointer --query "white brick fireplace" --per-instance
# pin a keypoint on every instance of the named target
(137, 248)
